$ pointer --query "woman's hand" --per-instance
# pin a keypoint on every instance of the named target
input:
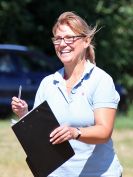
(19, 107)
(63, 133)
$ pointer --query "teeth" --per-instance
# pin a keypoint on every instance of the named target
(65, 51)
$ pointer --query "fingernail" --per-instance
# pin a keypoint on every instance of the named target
(51, 140)
(50, 135)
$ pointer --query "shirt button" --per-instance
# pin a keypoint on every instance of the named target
(73, 91)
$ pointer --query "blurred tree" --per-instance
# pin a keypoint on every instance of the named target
(16, 22)
(30, 22)
(114, 43)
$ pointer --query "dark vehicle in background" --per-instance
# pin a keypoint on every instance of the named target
(20, 65)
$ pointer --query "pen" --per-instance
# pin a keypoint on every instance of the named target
(13, 121)
(19, 93)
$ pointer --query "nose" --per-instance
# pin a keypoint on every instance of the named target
(62, 43)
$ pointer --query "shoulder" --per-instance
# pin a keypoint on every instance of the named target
(47, 79)
(99, 76)
(43, 89)
(52, 78)
(100, 72)
(95, 71)
(105, 94)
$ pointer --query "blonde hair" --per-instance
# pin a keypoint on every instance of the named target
(78, 26)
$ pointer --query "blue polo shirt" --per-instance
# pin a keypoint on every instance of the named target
(94, 90)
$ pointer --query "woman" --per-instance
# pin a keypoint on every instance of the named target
(83, 99)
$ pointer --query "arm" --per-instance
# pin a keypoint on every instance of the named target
(102, 130)
(99, 133)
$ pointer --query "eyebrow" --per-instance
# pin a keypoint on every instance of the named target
(64, 36)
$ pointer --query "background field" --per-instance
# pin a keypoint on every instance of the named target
(12, 156)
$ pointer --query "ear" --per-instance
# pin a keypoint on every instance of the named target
(87, 41)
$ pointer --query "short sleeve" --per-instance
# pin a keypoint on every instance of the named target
(105, 94)
(40, 94)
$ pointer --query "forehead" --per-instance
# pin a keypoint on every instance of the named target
(64, 30)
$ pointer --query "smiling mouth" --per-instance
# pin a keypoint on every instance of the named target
(65, 52)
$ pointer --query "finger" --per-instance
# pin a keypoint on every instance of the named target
(24, 103)
(61, 134)
(61, 139)
(54, 132)
(15, 99)
(14, 103)
(17, 104)
(59, 131)
(14, 107)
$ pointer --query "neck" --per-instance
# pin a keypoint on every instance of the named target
(74, 71)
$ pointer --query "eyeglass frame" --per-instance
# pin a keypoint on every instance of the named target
(63, 38)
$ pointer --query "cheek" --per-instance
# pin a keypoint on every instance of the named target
(57, 51)
(56, 48)
(79, 49)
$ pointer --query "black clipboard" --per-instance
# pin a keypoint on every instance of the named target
(33, 132)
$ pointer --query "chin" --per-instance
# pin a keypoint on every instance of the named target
(66, 62)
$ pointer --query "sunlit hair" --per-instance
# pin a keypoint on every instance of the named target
(78, 26)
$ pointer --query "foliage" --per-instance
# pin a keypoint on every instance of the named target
(30, 22)
(116, 46)
(115, 41)
(130, 111)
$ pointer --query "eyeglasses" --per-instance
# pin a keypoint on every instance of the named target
(67, 39)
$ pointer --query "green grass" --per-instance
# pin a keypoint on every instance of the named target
(123, 122)
(12, 156)
(123, 146)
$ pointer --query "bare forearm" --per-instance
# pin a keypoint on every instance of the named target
(95, 134)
